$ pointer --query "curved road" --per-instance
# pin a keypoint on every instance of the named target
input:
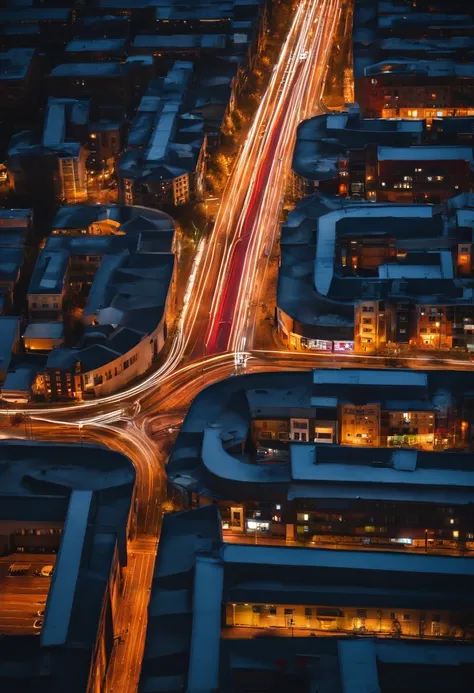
(216, 326)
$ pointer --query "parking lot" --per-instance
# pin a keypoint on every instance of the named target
(22, 593)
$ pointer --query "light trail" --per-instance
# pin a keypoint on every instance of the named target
(293, 95)
(133, 421)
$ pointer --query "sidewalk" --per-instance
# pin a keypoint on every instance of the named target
(262, 540)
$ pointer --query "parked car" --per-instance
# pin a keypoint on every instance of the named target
(45, 571)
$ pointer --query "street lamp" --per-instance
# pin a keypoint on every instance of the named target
(438, 324)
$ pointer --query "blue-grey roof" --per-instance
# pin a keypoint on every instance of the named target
(44, 330)
(9, 335)
(15, 218)
(79, 45)
(97, 298)
(96, 356)
(15, 62)
(106, 69)
(32, 14)
(66, 574)
(180, 41)
(62, 358)
(19, 380)
(163, 147)
(128, 295)
(21, 29)
(81, 216)
(49, 272)
(52, 483)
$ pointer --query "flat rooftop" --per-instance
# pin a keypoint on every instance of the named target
(86, 492)
(129, 290)
(317, 292)
(222, 414)
(185, 613)
(14, 64)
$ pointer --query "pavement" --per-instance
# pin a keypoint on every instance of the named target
(23, 595)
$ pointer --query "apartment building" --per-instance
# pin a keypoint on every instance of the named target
(410, 63)
(385, 160)
(408, 620)
(164, 163)
(52, 169)
(373, 276)
(114, 268)
(54, 539)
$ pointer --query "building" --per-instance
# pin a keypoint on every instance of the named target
(365, 277)
(9, 343)
(20, 80)
(108, 272)
(412, 64)
(52, 169)
(385, 160)
(164, 163)
(110, 84)
(81, 50)
(52, 25)
(214, 606)
(16, 228)
(43, 336)
(339, 456)
(65, 522)
(421, 174)
(22, 382)
(214, 17)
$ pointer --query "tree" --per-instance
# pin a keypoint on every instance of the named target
(169, 506)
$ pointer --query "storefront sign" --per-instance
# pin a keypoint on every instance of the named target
(320, 345)
(343, 346)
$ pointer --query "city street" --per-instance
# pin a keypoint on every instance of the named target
(216, 329)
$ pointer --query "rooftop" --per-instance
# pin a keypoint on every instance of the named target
(15, 63)
(44, 330)
(439, 153)
(130, 286)
(204, 458)
(161, 145)
(316, 291)
(323, 140)
(96, 69)
(9, 336)
(426, 68)
(79, 45)
(190, 585)
(38, 485)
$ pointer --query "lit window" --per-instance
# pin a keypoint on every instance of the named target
(455, 534)
(306, 517)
